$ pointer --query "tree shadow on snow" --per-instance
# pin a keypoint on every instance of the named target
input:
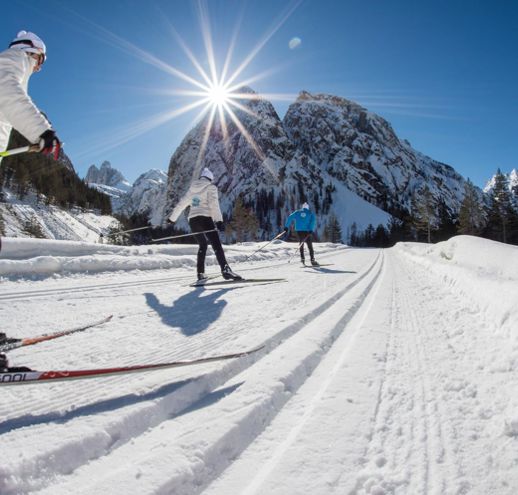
(191, 313)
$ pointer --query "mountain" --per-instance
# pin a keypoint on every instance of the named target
(109, 181)
(145, 197)
(346, 161)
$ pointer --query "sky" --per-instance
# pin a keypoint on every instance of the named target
(443, 73)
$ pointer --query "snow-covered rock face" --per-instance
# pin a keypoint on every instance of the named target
(147, 196)
(323, 145)
(107, 176)
(361, 150)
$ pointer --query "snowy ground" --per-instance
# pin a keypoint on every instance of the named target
(387, 372)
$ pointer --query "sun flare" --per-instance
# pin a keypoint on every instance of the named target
(218, 95)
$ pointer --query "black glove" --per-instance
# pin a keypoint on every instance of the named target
(220, 226)
(169, 221)
(286, 231)
(49, 143)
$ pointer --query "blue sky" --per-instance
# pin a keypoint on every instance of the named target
(443, 73)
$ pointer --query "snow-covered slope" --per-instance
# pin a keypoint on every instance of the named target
(31, 217)
(386, 372)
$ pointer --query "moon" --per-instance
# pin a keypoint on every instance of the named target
(294, 43)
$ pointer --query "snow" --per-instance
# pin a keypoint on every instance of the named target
(387, 372)
(55, 222)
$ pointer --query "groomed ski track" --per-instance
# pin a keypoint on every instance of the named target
(345, 397)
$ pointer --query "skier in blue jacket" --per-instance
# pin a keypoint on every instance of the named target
(305, 223)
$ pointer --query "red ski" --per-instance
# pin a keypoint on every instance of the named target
(27, 377)
(49, 336)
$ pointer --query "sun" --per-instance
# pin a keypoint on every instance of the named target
(218, 95)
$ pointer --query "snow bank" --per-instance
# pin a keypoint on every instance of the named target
(485, 271)
(43, 257)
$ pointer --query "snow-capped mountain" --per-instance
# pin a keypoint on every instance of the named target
(106, 175)
(330, 151)
(146, 196)
(109, 181)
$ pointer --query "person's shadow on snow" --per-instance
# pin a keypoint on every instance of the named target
(190, 313)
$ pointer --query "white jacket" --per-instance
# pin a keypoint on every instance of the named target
(202, 197)
(16, 107)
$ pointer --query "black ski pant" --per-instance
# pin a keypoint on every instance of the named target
(306, 236)
(200, 224)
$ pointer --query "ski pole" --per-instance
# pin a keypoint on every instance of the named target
(299, 246)
(24, 149)
(269, 242)
(183, 235)
(134, 230)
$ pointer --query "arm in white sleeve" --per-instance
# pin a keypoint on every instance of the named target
(16, 106)
(178, 209)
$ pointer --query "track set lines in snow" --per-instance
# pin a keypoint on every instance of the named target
(372, 380)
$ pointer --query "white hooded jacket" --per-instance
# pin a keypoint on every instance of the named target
(16, 107)
(203, 199)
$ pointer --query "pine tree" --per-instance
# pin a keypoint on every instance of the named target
(244, 223)
(333, 230)
(424, 212)
(501, 216)
(472, 215)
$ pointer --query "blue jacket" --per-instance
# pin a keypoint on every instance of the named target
(304, 219)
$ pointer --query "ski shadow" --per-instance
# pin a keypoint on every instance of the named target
(110, 405)
(190, 313)
(321, 269)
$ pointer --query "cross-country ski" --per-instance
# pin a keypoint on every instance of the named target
(239, 281)
(22, 377)
(9, 344)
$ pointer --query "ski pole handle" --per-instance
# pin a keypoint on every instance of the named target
(24, 149)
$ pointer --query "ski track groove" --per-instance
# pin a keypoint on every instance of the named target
(55, 462)
(442, 442)
(220, 453)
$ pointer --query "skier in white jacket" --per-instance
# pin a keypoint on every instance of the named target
(205, 215)
(25, 55)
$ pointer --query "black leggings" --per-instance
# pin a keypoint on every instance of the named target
(305, 236)
(200, 224)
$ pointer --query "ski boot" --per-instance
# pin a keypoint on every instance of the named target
(314, 263)
(202, 278)
(3, 338)
(228, 274)
(303, 261)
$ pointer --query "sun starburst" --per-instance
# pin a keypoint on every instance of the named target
(218, 95)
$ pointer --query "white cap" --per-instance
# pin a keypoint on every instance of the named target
(305, 206)
(207, 173)
(29, 42)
